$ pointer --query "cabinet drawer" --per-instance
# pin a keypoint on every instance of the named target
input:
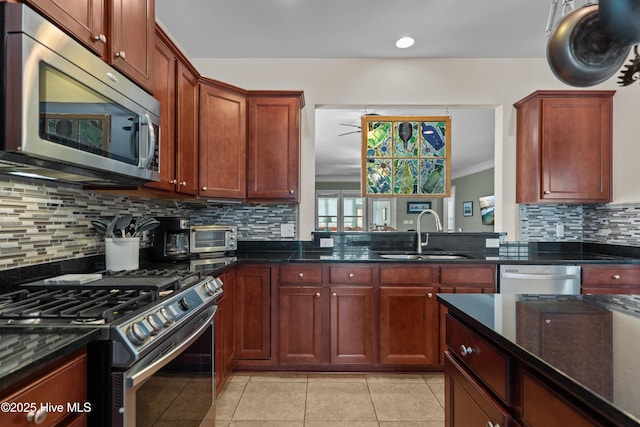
(63, 384)
(619, 275)
(406, 275)
(477, 275)
(301, 274)
(350, 275)
(487, 362)
(542, 407)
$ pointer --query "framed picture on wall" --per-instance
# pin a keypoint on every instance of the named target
(417, 207)
(467, 208)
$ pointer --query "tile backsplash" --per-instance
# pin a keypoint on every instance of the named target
(41, 222)
(617, 224)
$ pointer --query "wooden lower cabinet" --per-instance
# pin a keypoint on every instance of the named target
(611, 279)
(463, 279)
(224, 333)
(300, 324)
(408, 319)
(352, 325)
(252, 313)
(467, 402)
(65, 381)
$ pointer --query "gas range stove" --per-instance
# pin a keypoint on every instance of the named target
(135, 310)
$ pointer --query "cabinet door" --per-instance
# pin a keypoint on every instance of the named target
(220, 334)
(187, 131)
(222, 143)
(467, 403)
(273, 148)
(352, 325)
(408, 325)
(165, 92)
(229, 280)
(133, 39)
(252, 312)
(300, 317)
(564, 147)
(85, 20)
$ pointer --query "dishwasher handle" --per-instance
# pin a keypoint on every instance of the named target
(543, 276)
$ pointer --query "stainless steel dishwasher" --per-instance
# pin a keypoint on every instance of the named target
(539, 279)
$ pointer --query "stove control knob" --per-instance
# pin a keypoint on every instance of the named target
(164, 317)
(137, 333)
(156, 323)
(210, 288)
(184, 304)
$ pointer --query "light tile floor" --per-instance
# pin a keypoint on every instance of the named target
(331, 400)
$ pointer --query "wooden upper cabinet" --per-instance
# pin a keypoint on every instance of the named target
(223, 136)
(165, 92)
(187, 130)
(273, 149)
(85, 20)
(564, 141)
(122, 32)
(132, 42)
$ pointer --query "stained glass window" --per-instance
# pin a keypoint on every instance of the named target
(406, 155)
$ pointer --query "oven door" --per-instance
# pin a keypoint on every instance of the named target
(159, 388)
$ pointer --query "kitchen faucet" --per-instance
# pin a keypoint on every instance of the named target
(438, 228)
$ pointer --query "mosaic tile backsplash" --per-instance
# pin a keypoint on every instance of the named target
(42, 222)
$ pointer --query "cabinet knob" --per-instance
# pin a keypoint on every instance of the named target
(204, 188)
(174, 181)
(301, 275)
(183, 183)
(490, 424)
(547, 192)
(38, 416)
(100, 38)
(465, 351)
(430, 295)
(317, 294)
(334, 294)
(291, 192)
(350, 275)
(121, 54)
(616, 277)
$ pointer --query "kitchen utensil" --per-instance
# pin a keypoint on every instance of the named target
(121, 224)
(579, 51)
(621, 19)
(631, 73)
(100, 226)
(147, 225)
(111, 227)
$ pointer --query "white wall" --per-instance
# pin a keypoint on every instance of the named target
(494, 82)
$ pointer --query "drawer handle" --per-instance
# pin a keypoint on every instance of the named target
(301, 275)
(38, 416)
(616, 277)
(465, 351)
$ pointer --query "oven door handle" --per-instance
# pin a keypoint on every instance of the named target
(140, 377)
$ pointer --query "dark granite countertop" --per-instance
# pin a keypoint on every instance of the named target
(595, 340)
(24, 351)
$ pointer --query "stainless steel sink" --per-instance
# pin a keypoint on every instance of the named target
(414, 256)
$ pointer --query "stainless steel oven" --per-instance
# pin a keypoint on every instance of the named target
(162, 388)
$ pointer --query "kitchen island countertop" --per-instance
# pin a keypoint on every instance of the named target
(549, 335)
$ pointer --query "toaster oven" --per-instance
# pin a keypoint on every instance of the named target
(213, 239)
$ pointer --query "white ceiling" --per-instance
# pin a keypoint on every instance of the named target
(366, 29)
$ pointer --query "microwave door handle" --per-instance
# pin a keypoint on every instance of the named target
(151, 142)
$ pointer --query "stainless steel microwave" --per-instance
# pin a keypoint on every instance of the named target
(213, 239)
(66, 114)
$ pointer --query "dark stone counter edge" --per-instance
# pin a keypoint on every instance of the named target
(45, 357)
(598, 405)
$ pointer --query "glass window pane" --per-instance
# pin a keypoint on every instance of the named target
(327, 223)
(352, 206)
(381, 214)
(327, 206)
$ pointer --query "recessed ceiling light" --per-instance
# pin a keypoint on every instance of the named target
(405, 42)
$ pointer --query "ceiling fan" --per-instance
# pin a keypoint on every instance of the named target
(359, 127)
